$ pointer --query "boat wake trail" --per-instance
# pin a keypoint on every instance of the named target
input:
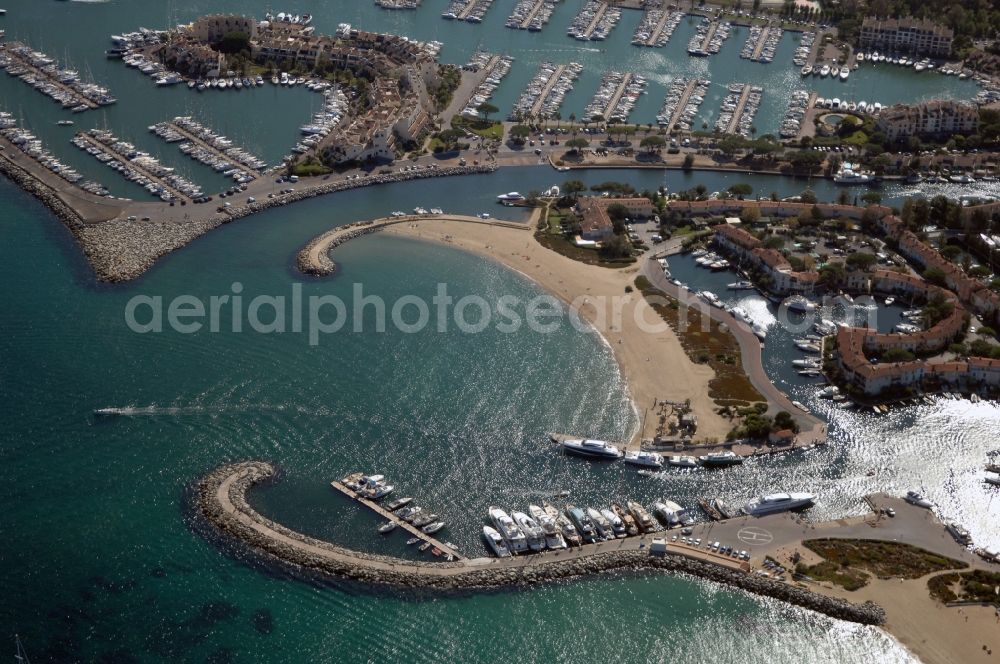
(153, 410)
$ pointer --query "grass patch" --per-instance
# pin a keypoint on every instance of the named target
(845, 577)
(491, 129)
(886, 560)
(559, 244)
(306, 170)
(975, 586)
(705, 344)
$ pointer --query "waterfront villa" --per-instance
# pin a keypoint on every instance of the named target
(596, 224)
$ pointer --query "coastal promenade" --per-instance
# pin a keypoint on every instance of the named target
(221, 500)
(812, 429)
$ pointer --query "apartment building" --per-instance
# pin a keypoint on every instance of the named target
(906, 35)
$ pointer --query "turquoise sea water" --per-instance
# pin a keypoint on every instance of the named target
(100, 562)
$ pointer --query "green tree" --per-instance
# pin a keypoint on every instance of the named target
(741, 190)
(688, 163)
(577, 144)
(487, 109)
(573, 188)
(861, 260)
(897, 355)
(652, 143)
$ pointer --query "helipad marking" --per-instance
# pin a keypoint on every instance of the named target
(755, 536)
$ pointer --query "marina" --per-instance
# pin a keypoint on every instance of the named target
(709, 38)
(761, 44)
(209, 148)
(531, 15)
(738, 110)
(594, 22)
(136, 166)
(392, 517)
(656, 27)
(616, 96)
(44, 74)
(680, 108)
(493, 68)
(31, 146)
(545, 93)
(471, 11)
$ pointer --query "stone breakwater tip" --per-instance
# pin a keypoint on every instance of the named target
(220, 498)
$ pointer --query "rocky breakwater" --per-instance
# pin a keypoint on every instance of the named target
(123, 249)
(315, 259)
(220, 498)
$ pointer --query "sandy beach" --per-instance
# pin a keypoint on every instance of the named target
(654, 364)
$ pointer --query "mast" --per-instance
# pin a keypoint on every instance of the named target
(20, 656)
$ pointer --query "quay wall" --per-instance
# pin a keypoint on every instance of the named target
(220, 498)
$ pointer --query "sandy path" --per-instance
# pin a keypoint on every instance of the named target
(654, 363)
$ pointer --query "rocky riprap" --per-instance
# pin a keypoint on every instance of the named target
(121, 250)
(324, 265)
(380, 570)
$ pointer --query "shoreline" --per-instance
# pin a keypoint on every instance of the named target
(572, 282)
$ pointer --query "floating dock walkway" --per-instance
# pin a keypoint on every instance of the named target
(389, 516)
(10, 50)
(615, 98)
(681, 104)
(602, 10)
(536, 108)
(734, 124)
(104, 147)
(216, 152)
(655, 34)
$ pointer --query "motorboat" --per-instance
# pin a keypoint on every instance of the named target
(828, 392)
(531, 529)
(566, 527)
(683, 461)
(643, 520)
(617, 525)
(824, 71)
(412, 541)
(399, 503)
(583, 524)
(668, 512)
(630, 526)
(510, 197)
(740, 285)
(960, 534)
(807, 70)
(778, 502)
(596, 449)
(510, 531)
(847, 175)
(720, 459)
(799, 303)
(601, 523)
(915, 498)
(423, 519)
(760, 331)
(408, 514)
(648, 459)
(432, 528)
(387, 527)
(495, 542)
(549, 526)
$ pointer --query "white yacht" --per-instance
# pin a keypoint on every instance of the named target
(510, 197)
(601, 523)
(566, 527)
(549, 526)
(915, 498)
(496, 542)
(740, 285)
(683, 461)
(597, 449)
(825, 71)
(799, 303)
(778, 502)
(583, 523)
(668, 512)
(648, 459)
(617, 525)
(726, 458)
(847, 175)
(510, 531)
(533, 532)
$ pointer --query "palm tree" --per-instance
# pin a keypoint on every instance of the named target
(558, 117)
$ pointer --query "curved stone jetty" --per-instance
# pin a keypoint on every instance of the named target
(221, 500)
(314, 258)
